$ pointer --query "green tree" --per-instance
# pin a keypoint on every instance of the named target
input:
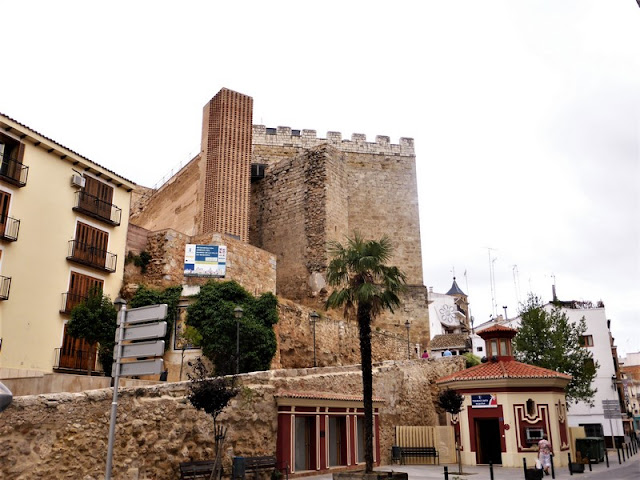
(94, 320)
(471, 360)
(550, 340)
(364, 285)
(145, 296)
(212, 314)
(211, 394)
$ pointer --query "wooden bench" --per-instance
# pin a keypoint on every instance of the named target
(201, 469)
(255, 464)
(418, 452)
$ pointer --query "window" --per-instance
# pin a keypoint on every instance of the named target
(90, 248)
(11, 153)
(493, 348)
(95, 200)
(534, 434)
(586, 340)
(503, 347)
(79, 287)
(479, 349)
(593, 429)
(531, 407)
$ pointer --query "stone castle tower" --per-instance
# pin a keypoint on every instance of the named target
(289, 193)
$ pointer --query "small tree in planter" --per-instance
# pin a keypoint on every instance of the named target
(211, 394)
(451, 402)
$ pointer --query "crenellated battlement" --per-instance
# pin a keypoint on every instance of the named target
(287, 137)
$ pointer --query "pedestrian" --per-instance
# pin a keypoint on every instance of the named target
(544, 453)
(447, 353)
(425, 354)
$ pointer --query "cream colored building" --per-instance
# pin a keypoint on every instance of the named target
(508, 406)
(63, 229)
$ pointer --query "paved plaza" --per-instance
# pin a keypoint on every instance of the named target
(627, 470)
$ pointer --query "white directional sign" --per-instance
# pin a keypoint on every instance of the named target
(146, 314)
(611, 409)
(143, 349)
(144, 367)
(145, 331)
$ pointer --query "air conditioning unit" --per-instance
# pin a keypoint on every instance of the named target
(77, 181)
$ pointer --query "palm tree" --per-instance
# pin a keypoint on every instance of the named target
(364, 284)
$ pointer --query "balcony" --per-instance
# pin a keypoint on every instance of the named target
(5, 286)
(70, 300)
(9, 228)
(96, 208)
(91, 256)
(13, 172)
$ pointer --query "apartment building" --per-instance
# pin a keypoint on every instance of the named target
(63, 229)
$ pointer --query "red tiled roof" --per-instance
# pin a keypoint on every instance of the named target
(324, 396)
(503, 369)
(498, 328)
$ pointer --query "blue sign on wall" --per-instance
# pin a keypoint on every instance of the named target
(485, 400)
(205, 260)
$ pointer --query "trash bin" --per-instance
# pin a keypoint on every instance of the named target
(396, 454)
(238, 467)
(591, 448)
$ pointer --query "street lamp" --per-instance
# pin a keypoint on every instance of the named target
(313, 318)
(407, 325)
(237, 312)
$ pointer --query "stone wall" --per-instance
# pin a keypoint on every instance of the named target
(337, 341)
(291, 217)
(285, 139)
(251, 267)
(66, 435)
(320, 190)
(175, 205)
(383, 200)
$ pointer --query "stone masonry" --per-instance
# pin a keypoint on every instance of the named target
(65, 435)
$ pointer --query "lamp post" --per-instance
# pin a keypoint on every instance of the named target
(237, 312)
(313, 318)
(407, 325)
(121, 307)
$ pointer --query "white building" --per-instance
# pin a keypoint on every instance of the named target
(449, 322)
(598, 339)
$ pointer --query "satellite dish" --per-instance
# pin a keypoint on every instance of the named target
(5, 397)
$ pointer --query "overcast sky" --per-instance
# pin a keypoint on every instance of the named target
(525, 116)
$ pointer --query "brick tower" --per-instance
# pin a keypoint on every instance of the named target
(226, 167)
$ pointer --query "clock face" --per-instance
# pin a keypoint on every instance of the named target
(448, 315)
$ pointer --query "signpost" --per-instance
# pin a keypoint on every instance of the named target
(144, 323)
(611, 409)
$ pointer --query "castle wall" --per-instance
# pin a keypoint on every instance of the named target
(320, 190)
(289, 216)
(383, 200)
(251, 267)
(175, 205)
(65, 435)
(337, 340)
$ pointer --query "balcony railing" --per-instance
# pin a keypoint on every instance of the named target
(70, 300)
(5, 286)
(75, 360)
(9, 228)
(13, 172)
(97, 208)
(92, 256)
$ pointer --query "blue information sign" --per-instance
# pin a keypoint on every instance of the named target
(205, 260)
